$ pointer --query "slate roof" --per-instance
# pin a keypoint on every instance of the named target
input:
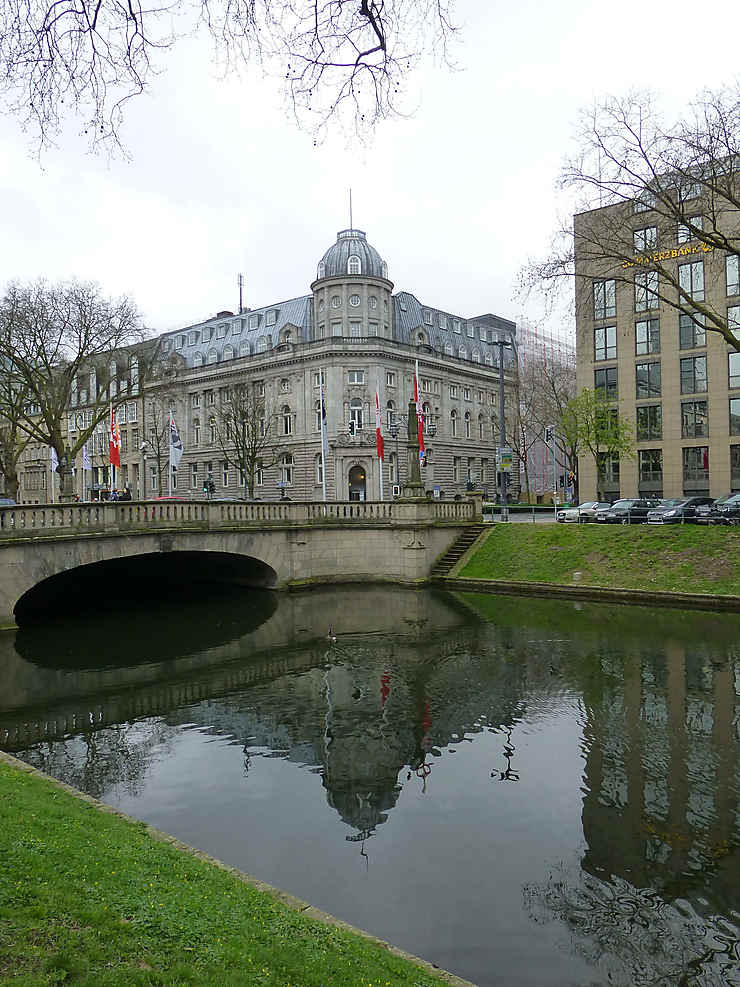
(349, 243)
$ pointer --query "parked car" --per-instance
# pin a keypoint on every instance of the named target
(677, 511)
(581, 512)
(628, 511)
(7, 502)
(724, 510)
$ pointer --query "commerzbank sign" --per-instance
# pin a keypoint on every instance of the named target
(659, 255)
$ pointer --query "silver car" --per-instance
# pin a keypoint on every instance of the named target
(581, 513)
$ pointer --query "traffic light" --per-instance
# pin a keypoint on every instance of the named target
(209, 487)
(548, 434)
(351, 428)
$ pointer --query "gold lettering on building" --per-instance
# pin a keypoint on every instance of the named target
(675, 252)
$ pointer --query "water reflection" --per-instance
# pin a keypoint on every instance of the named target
(541, 776)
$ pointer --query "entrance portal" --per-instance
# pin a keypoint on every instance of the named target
(357, 480)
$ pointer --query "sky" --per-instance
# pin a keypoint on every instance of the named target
(456, 197)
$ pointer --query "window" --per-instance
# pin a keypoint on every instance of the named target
(696, 464)
(179, 342)
(606, 380)
(647, 380)
(691, 279)
(453, 423)
(321, 331)
(317, 416)
(193, 474)
(684, 233)
(321, 270)
(196, 431)
(286, 469)
(336, 301)
(133, 412)
(285, 386)
(244, 348)
(456, 327)
(355, 329)
(271, 317)
(198, 360)
(605, 299)
(354, 300)
(645, 239)
(609, 467)
(647, 337)
(373, 301)
(354, 265)
(318, 467)
(694, 421)
(649, 422)
(453, 390)
(393, 468)
(644, 203)
(317, 378)
(259, 388)
(480, 427)
(467, 424)
(207, 334)
(356, 377)
(228, 353)
(195, 400)
(476, 356)
(470, 331)
(650, 465)
(212, 356)
(336, 328)
(466, 393)
(212, 430)
(646, 290)
(733, 320)
(441, 321)
(225, 474)
(732, 271)
(210, 397)
(237, 326)
(489, 360)
(693, 375)
(691, 331)
(259, 473)
(287, 417)
(428, 318)
(734, 369)
(462, 353)
(373, 328)
(262, 344)
(192, 338)
(221, 330)
(390, 379)
(448, 349)
(735, 417)
(605, 343)
(153, 478)
(355, 412)
(254, 321)
(456, 469)
(389, 413)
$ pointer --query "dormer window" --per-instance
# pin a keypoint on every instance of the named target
(354, 265)
(321, 273)
(428, 318)
(271, 317)
(384, 270)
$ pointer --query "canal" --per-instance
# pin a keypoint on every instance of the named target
(525, 792)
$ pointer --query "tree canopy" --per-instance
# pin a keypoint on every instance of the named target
(333, 57)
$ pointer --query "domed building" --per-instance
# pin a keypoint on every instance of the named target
(354, 333)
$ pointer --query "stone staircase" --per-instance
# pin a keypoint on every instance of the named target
(455, 552)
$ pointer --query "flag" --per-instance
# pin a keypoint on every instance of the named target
(324, 438)
(419, 412)
(86, 464)
(175, 444)
(54, 460)
(114, 440)
(378, 435)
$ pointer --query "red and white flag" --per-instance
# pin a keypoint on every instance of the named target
(419, 412)
(380, 445)
(115, 440)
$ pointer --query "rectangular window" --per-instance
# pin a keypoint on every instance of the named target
(610, 467)
(442, 321)
(321, 331)
(684, 232)
(456, 469)
(271, 317)
(336, 328)
(225, 474)
(605, 299)
(647, 376)
(735, 417)
(259, 388)
(254, 321)
(428, 318)
(646, 291)
(605, 343)
(456, 327)
(735, 468)
(733, 320)
(221, 331)
(373, 328)
(694, 420)
(237, 326)
(647, 337)
(694, 375)
(691, 279)
(355, 329)
(645, 239)
(466, 393)
(606, 380)
(733, 360)
(192, 338)
(644, 203)
(696, 464)
(650, 463)
(317, 379)
(732, 270)
(193, 474)
(134, 438)
(356, 376)
(390, 378)
(453, 390)
(691, 331)
(470, 331)
(259, 473)
(649, 422)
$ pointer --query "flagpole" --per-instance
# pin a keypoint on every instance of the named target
(112, 469)
(379, 425)
(322, 415)
(169, 445)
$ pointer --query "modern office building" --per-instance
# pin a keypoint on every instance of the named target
(676, 380)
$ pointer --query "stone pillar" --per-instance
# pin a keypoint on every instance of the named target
(476, 498)
(413, 487)
(66, 485)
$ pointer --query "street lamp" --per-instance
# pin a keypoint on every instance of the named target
(143, 449)
(394, 427)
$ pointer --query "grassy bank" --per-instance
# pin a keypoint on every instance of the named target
(672, 558)
(89, 898)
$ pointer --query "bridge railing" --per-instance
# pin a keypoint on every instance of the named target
(45, 519)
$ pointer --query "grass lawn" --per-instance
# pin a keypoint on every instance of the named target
(671, 558)
(89, 898)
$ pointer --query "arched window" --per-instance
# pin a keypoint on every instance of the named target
(198, 360)
(476, 356)
(467, 424)
(355, 412)
(287, 420)
(212, 430)
(286, 469)
(318, 470)
(321, 273)
(286, 336)
(390, 413)
(212, 356)
(262, 344)
(285, 385)
(354, 265)
(228, 353)
(196, 431)
(462, 353)
(453, 423)
(244, 348)
(480, 426)
(448, 349)
(420, 339)
(489, 360)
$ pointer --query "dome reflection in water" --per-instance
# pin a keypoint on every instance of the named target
(523, 791)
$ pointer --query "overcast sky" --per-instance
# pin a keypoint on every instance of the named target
(455, 199)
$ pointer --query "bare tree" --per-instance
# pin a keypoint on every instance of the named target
(332, 56)
(55, 342)
(13, 440)
(246, 432)
(595, 425)
(679, 181)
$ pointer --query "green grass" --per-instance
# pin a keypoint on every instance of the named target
(89, 898)
(675, 558)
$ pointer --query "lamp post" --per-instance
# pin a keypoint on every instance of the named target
(502, 344)
(410, 421)
(144, 449)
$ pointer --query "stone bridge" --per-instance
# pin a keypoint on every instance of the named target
(271, 545)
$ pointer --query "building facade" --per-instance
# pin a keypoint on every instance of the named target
(641, 339)
(354, 333)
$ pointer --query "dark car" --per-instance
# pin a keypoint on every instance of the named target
(627, 511)
(724, 510)
(677, 511)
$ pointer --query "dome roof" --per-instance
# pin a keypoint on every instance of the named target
(351, 244)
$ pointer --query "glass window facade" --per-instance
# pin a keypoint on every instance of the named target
(694, 420)
(649, 422)
(647, 337)
(691, 331)
(605, 343)
(694, 374)
(647, 380)
(606, 380)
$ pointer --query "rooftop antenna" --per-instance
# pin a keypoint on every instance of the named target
(350, 210)
(241, 290)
